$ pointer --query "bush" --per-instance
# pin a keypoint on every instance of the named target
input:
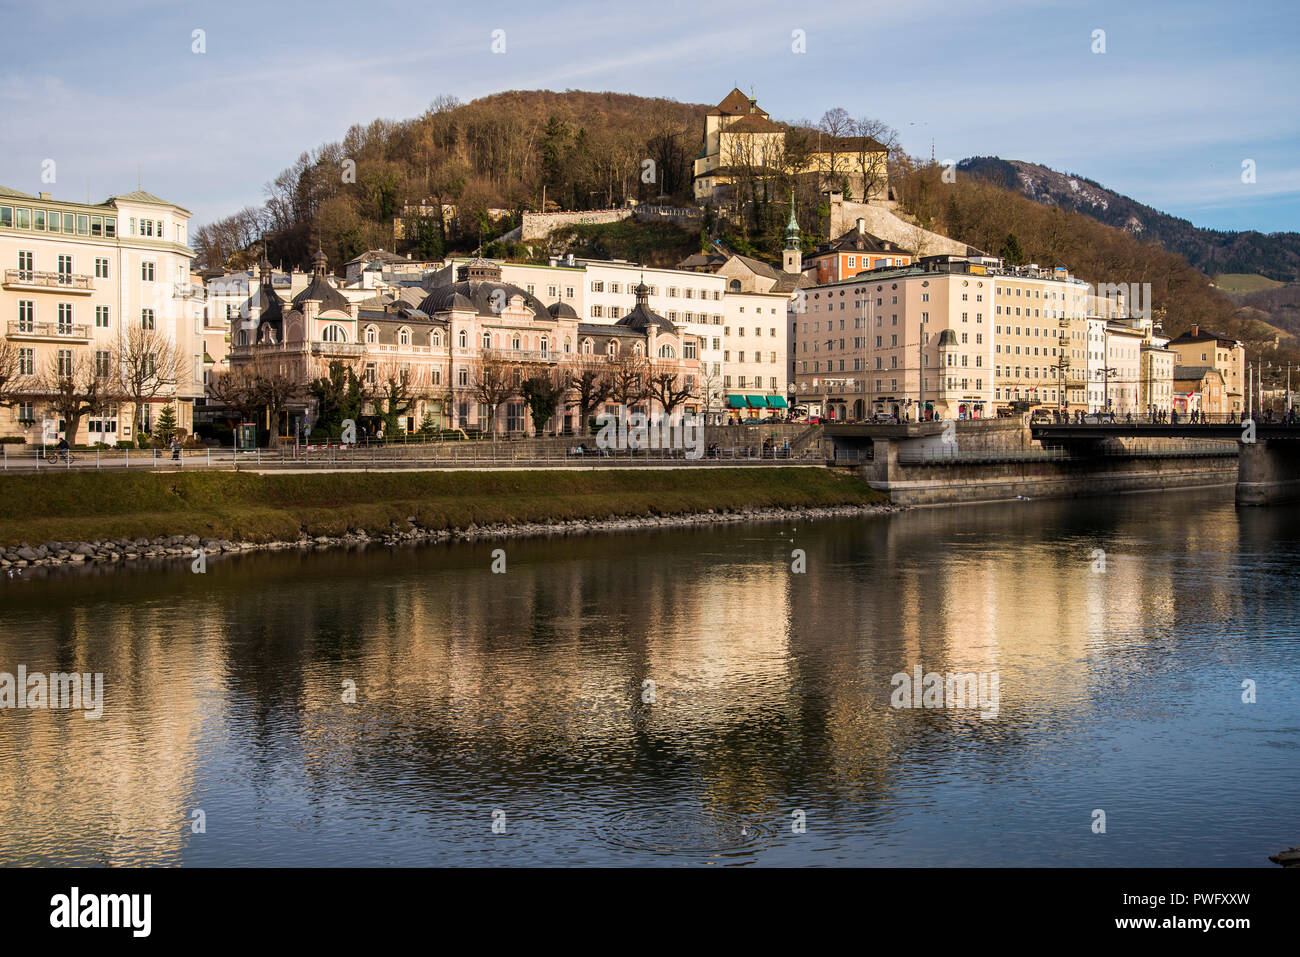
(12, 440)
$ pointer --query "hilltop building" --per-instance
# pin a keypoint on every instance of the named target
(741, 142)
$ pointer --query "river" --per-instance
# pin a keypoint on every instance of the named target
(680, 697)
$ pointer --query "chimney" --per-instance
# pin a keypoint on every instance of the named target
(1196, 330)
(862, 226)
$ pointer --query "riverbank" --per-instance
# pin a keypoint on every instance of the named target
(109, 517)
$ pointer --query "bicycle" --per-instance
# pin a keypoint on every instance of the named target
(55, 455)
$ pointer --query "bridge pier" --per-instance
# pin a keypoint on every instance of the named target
(1268, 472)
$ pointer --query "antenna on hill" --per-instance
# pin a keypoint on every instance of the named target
(932, 151)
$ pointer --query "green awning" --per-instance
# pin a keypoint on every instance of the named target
(777, 402)
(736, 402)
(756, 402)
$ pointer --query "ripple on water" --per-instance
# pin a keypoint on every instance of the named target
(685, 830)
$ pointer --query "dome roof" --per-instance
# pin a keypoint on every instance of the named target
(321, 291)
(473, 294)
(947, 338)
(641, 317)
(562, 310)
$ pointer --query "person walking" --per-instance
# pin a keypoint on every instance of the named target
(176, 448)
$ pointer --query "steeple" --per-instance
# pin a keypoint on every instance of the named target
(792, 258)
(318, 263)
(792, 227)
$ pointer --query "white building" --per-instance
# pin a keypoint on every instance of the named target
(76, 278)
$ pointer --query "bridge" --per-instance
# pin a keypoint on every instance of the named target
(1268, 459)
(989, 454)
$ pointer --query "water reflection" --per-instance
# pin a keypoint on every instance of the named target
(679, 697)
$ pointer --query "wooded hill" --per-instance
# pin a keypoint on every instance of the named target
(582, 150)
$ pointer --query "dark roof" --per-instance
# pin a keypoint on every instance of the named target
(562, 310)
(321, 291)
(477, 295)
(1194, 373)
(853, 241)
(947, 338)
(642, 317)
(1199, 336)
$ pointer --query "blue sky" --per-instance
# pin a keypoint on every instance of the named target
(1185, 92)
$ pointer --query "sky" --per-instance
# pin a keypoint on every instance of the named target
(1183, 95)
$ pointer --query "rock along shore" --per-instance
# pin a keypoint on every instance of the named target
(106, 551)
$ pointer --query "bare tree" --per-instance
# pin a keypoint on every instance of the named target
(74, 388)
(876, 142)
(236, 392)
(274, 388)
(710, 389)
(398, 389)
(146, 364)
(835, 125)
(630, 380)
(10, 375)
(668, 386)
(492, 383)
(591, 382)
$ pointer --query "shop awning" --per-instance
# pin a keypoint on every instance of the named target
(777, 402)
(736, 402)
(756, 402)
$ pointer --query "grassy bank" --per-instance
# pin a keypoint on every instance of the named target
(242, 506)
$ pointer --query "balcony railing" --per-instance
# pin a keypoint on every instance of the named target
(18, 329)
(62, 282)
(338, 349)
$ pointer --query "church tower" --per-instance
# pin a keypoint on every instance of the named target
(792, 258)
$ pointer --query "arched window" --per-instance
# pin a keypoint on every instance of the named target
(404, 336)
(487, 340)
(588, 346)
(514, 343)
(546, 346)
(464, 340)
(243, 337)
(372, 334)
(637, 349)
(568, 345)
(333, 334)
(667, 352)
(734, 285)
(435, 339)
(612, 348)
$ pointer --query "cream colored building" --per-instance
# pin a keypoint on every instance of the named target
(915, 342)
(76, 277)
(1196, 348)
(740, 140)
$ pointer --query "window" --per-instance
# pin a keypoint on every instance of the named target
(487, 340)
(597, 312)
(65, 362)
(146, 319)
(65, 270)
(65, 318)
(103, 363)
(372, 334)
(147, 271)
(26, 315)
(101, 268)
(26, 362)
(101, 317)
(463, 340)
(404, 336)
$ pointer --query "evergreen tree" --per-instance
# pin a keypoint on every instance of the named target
(1011, 251)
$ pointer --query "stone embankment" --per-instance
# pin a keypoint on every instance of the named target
(15, 558)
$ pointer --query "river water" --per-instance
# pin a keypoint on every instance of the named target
(681, 697)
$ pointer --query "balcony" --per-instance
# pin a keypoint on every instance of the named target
(29, 280)
(48, 331)
(351, 349)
